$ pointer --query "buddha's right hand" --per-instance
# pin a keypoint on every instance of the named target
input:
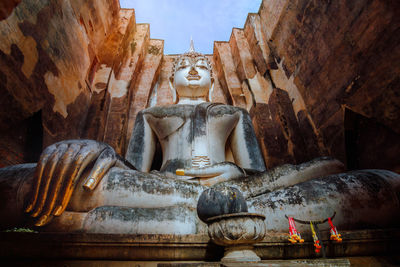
(214, 174)
(58, 172)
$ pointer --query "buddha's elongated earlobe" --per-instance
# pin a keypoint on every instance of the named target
(175, 97)
(210, 92)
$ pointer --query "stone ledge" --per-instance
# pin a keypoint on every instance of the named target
(379, 261)
(78, 246)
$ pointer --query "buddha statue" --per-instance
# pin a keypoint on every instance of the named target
(83, 185)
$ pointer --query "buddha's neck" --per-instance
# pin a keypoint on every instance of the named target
(191, 101)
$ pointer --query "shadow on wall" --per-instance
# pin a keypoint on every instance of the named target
(34, 138)
(370, 144)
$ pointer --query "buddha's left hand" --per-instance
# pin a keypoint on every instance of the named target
(214, 174)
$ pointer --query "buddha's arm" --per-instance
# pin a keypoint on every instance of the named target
(59, 170)
(244, 145)
(142, 144)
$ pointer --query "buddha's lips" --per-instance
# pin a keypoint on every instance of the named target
(193, 77)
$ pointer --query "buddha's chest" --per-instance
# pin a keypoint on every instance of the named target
(192, 136)
(191, 127)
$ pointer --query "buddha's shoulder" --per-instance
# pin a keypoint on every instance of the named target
(169, 111)
(214, 109)
(222, 109)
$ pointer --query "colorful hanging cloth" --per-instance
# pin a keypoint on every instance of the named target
(294, 235)
(334, 233)
(317, 244)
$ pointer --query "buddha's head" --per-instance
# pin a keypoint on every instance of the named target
(192, 77)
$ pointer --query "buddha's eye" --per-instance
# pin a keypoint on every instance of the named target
(202, 67)
(182, 67)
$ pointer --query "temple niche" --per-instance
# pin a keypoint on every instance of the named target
(317, 78)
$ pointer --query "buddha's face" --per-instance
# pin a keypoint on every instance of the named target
(192, 77)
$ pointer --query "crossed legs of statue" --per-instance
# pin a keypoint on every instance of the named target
(128, 201)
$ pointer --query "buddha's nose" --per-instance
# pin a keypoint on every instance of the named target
(193, 71)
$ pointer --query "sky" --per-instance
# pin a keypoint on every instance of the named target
(206, 21)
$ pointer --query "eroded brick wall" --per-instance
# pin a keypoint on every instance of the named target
(306, 62)
(46, 51)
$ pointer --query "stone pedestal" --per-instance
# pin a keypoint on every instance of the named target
(237, 232)
(240, 254)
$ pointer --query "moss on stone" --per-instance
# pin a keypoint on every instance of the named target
(133, 47)
(20, 230)
(154, 50)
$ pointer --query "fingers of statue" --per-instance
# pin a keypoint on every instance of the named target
(213, 174)
(45, 179)
(209, 181)
(209, 171)
(57, 181)
(57, 173)
(105, 161)
(81, 160)
(38, 176)
(228, 168)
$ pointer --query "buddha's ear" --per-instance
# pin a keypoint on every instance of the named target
(210, 92)
(173, 91)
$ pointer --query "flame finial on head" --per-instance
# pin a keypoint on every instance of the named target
(191, 49)
(192, 53)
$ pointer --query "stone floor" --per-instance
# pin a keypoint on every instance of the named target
(378, 261)
(359, 248)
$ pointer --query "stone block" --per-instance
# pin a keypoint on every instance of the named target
(164, 94)
(311, 138)
(282, 109)
(145, 84)
(259, 48)
(219, 94)
(96, 118)
(274, 145)
(226, 73)
(127, 67)
(270, 14)
(242, 58)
